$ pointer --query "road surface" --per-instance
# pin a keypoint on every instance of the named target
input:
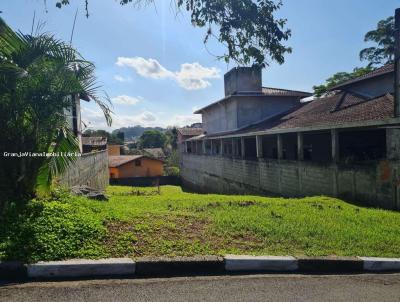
(366, 287)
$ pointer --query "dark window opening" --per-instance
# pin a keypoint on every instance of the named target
(227, 144)
(250, 147)
(216, 146)
(208, 147)
(138, 163)
(317, 147)
(289, 146)
(269, 147)
(364, 145)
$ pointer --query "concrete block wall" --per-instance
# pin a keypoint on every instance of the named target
(90, 169)
(376, 184)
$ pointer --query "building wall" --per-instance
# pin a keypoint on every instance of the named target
(221, 117)
(114, 150)
(241, 111)
(148, 168)
(90, 169)
(375, 185)
(254, 109)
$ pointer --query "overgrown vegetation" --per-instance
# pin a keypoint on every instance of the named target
(40, 78)
(139, 222)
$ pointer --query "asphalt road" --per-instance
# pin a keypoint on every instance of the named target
(222, 288)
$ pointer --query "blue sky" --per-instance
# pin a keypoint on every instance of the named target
(154, 66)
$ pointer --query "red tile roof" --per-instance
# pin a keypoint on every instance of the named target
(116, 161)
(375, 73)
(328, 112)
(190, 131)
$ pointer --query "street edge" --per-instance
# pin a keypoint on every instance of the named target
(188, 266)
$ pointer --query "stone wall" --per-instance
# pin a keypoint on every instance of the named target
(376, 184)
(90, 169)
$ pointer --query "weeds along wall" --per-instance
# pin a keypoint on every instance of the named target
(376, 184)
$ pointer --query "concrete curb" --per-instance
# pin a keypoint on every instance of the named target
(189, 266)
(237, 263)
(376, 264)
(82, 268)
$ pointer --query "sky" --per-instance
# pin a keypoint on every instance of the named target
(154, 66)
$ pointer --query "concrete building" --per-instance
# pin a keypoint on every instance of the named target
(266, 140)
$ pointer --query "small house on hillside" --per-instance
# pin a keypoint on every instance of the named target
(154, 152)
(126, 166)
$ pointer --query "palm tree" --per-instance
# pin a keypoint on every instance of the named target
(39, 77)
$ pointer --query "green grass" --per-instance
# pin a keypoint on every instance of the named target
(139, 222)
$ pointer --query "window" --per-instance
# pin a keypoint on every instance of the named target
(138, 163)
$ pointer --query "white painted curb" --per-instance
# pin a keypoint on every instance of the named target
(260, 263)
(82, 268)
(380, 264)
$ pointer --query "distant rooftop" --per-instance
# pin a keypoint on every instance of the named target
(94, 141)
(190, 131)
(116, 161)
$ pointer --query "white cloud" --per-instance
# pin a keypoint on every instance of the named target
(194, 76)
(191, 76)
(150, 68)
(120, 78)
(125, 100)
(94, 119)
(181, 120)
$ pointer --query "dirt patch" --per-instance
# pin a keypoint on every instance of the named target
(172, 236)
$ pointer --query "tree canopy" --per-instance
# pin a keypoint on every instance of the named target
(383, 36)
(152, 139)
(382, 53)
(248, 29)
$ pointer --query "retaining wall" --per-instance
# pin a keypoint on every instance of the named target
(376, 184)
(90, 169)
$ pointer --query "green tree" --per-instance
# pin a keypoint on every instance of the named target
(248, 29)
(39, 78)
(172, 137)
(152, 139)
(339, 78)
(383, 36)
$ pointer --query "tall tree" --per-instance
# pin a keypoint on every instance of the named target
(247, 28)
(383, 36)
(152, 139)
(38, 77)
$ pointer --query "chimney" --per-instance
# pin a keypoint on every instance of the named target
(397, 64)
(243, 79)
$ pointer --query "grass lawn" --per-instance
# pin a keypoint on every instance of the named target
(138, 222)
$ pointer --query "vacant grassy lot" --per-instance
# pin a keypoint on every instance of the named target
(139, 222)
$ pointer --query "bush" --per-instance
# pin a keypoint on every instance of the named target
(51, 230)
(172, 171)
